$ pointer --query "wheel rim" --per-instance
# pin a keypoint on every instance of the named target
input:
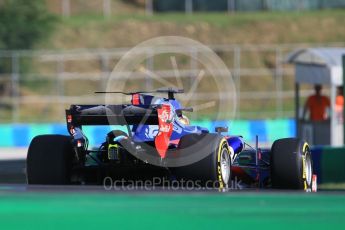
(225, 165)
(308, 168)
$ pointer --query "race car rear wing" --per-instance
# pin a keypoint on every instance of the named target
(79, 115)
(158, 114)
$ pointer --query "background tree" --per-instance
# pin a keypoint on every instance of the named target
(23, 23)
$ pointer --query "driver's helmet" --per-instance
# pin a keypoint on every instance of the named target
(184, 120)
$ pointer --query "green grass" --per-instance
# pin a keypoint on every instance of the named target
(171, 211)
(220, 19)
(5, 113)
(128, 29)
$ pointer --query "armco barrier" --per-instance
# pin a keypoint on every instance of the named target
(20, 135)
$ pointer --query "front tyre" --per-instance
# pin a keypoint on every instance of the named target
(291, 164)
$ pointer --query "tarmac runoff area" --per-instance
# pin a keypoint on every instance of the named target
(13, 165)
(94, 207)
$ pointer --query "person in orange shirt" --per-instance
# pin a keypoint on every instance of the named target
(317, 105)
(339, 104)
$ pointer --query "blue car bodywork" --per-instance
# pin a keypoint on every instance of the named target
(249, 165)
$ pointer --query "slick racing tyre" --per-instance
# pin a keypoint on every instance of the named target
(49, 160)
(214, 171)
(291, 164)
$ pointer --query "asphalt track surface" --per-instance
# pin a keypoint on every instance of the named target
(94, 207)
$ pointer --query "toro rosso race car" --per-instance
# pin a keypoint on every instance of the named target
(159, 141)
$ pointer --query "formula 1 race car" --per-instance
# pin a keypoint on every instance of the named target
(159, 141)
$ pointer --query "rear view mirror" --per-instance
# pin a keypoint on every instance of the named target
(221, 129)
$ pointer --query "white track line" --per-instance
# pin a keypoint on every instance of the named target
(13, 153)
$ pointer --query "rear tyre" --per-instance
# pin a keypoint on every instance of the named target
(49, 160)
(215, 169)
(291, 164)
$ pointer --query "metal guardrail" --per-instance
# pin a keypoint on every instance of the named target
(59, 75)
